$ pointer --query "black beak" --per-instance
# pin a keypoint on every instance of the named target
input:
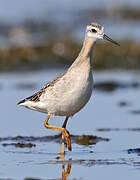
(111, 40)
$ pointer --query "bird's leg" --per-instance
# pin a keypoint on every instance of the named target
(64, 126)
(65, 122)
(62, 153)
(65, 134)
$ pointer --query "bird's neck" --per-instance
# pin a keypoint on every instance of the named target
(87, 48)
(85, 53)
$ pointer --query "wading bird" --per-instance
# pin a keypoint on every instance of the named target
(68, 93)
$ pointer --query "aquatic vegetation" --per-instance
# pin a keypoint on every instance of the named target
(65, 50)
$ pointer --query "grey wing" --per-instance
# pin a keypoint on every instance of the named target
(35, 97)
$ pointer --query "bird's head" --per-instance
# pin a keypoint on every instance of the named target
(96, 32)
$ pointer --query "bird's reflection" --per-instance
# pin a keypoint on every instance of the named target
(65, 173)
(66, 168)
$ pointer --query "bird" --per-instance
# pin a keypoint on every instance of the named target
(68, 93)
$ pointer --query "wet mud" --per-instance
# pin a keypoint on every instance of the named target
(27, 141)
(136, 150)
(118, 129)
(124, 103)
(19, 145)
(110, 86)
(135, 112)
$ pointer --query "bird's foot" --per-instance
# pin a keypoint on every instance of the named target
(61, 153)
(67, 137)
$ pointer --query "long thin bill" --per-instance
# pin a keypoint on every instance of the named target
(111, 40)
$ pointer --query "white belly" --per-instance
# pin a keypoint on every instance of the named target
(77, 99)
(69, 95)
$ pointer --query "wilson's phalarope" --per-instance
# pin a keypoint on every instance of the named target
(68, 93)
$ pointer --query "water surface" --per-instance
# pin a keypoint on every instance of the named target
(111, 117)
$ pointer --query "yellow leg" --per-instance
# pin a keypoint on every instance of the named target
(63, 138)
(62, 153)
(65, 134)
(64, 126)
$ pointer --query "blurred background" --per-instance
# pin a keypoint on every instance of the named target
(37, 34)
(39, 39)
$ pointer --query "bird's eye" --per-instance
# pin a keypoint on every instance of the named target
(93, 30)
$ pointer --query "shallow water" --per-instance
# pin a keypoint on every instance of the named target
(112, 118)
